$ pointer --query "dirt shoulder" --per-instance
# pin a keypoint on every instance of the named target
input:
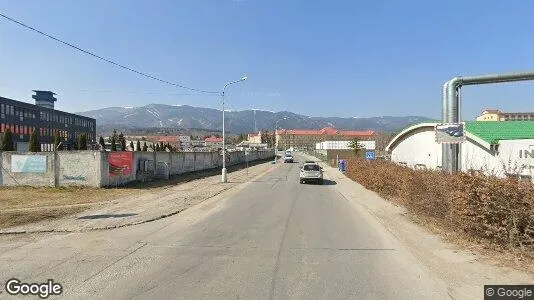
(22, 204)
(75, 209)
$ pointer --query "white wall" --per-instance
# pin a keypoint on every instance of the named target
(418, 148)
(476, 157)
(509, 151)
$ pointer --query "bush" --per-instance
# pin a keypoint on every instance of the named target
(35, 145)
(82, 142)
(7, 141)
(498, 210)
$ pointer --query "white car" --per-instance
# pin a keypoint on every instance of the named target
(311, 172)
(288, 158)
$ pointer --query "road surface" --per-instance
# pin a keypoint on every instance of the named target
(272, 239)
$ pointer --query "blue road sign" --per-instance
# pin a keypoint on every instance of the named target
(370, 155)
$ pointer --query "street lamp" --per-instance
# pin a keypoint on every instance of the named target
(223, 175)
(275, 141)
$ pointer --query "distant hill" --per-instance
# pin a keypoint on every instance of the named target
(189, 117)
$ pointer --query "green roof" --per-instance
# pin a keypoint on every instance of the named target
(494, 131)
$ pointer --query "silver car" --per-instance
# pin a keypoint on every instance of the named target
(311, 172)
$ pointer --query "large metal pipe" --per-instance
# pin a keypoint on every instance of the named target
(451, 97)
(445, 148)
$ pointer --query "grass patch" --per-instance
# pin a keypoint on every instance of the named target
(15, 218)
(20, 197)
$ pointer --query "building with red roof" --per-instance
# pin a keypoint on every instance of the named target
(213, 142)
(307, 138)
(254, 137)
(165, 139)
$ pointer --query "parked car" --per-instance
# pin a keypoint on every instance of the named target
(311, 172)
(288, 158)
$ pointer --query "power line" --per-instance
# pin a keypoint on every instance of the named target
(104, 59)
(139, 92)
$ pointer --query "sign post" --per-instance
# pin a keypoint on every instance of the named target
(370, 155)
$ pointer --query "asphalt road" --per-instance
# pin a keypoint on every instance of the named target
(273, 239)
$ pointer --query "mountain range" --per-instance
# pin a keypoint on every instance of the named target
(189, 117)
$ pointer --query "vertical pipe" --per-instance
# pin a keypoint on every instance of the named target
(445, 149)
(452, 116)
(451, 107)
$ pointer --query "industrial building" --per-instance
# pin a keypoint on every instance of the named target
(344, 145)
(23, 118)
(497, 115)
(492, 147)
(307, 139)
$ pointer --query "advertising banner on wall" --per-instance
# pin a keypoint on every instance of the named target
(28, 163)
(452, 133)
(120, 163)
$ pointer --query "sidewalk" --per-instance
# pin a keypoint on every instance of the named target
(165, 202)
(465, 272)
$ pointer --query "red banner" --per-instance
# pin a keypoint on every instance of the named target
(120, 163)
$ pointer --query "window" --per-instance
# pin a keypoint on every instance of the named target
(2, 108)
(311, 168)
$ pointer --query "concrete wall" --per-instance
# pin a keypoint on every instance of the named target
(91, 168)
(80, 168)
(32, 179)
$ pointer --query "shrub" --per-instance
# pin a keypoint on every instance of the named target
(35, 145)
(498, 210)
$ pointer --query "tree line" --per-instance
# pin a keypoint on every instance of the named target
(118, 143)
(8, 142)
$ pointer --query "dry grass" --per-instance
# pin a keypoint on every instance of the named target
(486, 214)
(20, 197)
(22, 204)
(14, 218)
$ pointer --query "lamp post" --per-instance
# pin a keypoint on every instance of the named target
(223, 175)
(275, 141)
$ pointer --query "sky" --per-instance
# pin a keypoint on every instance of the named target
(317, 58)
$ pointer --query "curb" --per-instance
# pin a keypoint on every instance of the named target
(134, 223)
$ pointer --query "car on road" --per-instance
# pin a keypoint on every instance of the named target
(311, 172)
(288, 158)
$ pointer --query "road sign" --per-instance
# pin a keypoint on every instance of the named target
(370, 155)
(452, 133)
